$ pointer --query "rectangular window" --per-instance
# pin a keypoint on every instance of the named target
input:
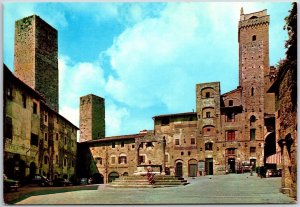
(193, 141)
(252, 149)
(46, 137)
(8, 128)
(209, 146)
(65, 141)
(208, 114)
(72, 163)
(34, 108)
(113, 144)
(252, 134)
(46, 118)
(207, 94)
(176, 141)
(230, 135)
(113, 160)
(65, 162)
(230, 117)
(122, 144)
(133, 146)
(24, 100)
(34, 139)
(56, 159)
(166, 158)
(56, 136)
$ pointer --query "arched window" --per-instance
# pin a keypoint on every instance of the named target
(252, 120)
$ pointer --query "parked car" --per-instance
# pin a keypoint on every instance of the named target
(61, 182)
(10, 184)
(40, 180)
(83, 181)
(246, 166)
(274, 173)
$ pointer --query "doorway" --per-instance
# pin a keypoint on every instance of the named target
(231, 165)
(112, 176)
(193, 168)
(209, 166)
(178, 170)
(32, 169)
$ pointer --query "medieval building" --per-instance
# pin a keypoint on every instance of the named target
(37, 139)
(226, 131)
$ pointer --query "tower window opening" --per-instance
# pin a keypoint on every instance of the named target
(230, 102)
(207, 94)
(252, 91)
(253, 37)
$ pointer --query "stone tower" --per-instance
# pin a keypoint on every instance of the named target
(92, 117)
(208, 114)
(35, 57)
(253, 37)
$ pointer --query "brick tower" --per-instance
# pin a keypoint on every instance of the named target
(92, 118)
(253, 37)
(35, 57)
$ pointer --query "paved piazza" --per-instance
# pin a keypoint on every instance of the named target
(230, 189)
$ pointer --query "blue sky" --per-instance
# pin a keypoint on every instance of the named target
(143, 58)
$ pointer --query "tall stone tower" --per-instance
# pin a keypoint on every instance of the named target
(253, 37)
(35, 57)
(92, 118)
(208, 114)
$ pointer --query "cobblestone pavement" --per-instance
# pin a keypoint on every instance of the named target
(227, 189)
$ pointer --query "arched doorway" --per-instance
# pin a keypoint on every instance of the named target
(178, 169)
(193, 168)
(32, 169)
(112, 176)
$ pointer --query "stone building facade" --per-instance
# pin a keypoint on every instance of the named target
(285, 89)
(226, 131)
(37, 139)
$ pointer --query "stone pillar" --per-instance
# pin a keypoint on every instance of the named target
(163, 160)
(286, 177)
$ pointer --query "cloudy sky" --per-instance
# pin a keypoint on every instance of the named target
(143, 58)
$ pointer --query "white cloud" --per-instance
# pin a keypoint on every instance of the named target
(115, 119)
(156, 58)
(78, 79)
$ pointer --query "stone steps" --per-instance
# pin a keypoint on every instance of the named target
(138, 181)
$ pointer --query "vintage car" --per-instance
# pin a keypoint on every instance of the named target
(10, 184)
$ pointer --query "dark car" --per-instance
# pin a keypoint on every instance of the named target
(61, 182)
(40, 180)
(10, 184)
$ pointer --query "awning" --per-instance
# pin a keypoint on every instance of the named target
(274, 159)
